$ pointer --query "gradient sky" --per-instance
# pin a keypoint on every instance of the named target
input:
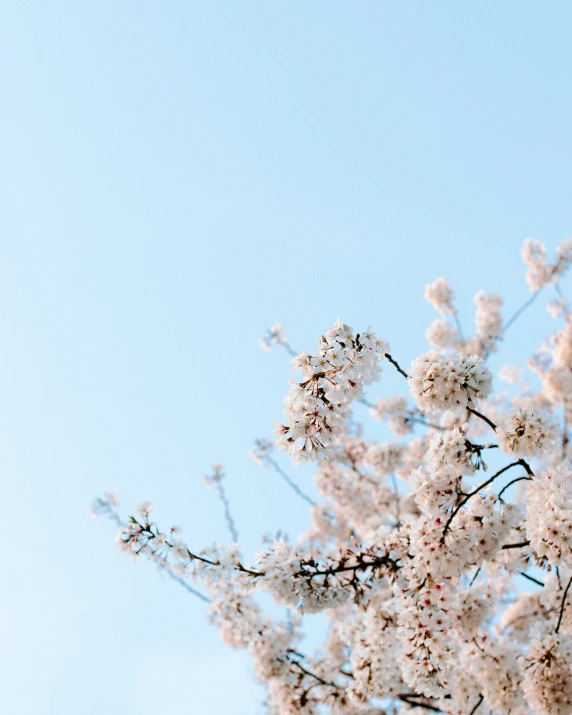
(178, 175)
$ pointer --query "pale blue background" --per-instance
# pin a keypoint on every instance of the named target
(175, 177)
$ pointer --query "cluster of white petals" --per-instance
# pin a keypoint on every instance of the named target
(440, 567)
(547, 682)
(394, 411)
(317, 409)
(440, 295)
(441, 380)
(540, 272)
(549, 515)
(488, 320)
(528, 432)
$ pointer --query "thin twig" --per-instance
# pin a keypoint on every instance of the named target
(477, 572)
(458, 324)
(562, 606)
(421, 421)
(409, 699)
(396, 365)
(185, 585)
(227, 513)
(514, 481)
(113, 516)
(520, 545)
(531, 578)
(288, 348)
(522, 308)
(289, 481)
(486, 419)
(474, 710)
(466, 498)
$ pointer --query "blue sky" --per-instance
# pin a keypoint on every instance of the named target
(176, 176)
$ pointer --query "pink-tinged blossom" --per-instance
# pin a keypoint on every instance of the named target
(547, 682)
(439, 559)
(527, 432)
(318, 408)
(549, 515)
(442, 381)
(440, 295)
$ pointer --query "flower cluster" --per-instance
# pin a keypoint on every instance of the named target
(442, 381)
(540, 272)
(547, 684)
(440, 295)
(440, 566)
(317, 409)
(549, 515)
(527, 432)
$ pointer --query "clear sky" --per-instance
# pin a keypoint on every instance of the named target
(176, 176)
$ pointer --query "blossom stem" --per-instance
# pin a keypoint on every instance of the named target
(278, 469)
(227, 513)
(396, 365)
(486, 419)
(288, 348)
(532, 579)
(474, 710)
(514, 481)
(521, 310)
(466, 498)
(409, 699)
(520, 545)
(562, 606)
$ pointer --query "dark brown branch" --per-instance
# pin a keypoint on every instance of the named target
(531, 578)
(472, 494)
(514, 481)
(313, 675)
(527, 468)
(477, 572)
(474, 710)
(409, 699)
(482, 417)
(521, 545)
(396, 365)
(562, 606)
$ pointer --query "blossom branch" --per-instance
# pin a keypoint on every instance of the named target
(466, 497)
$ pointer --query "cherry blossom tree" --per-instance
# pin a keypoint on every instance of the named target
(445, 582)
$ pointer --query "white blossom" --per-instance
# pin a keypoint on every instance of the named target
(438, 567)
(527, 432)
(442, 381)
(549, 515)
(317, 409)
(440, 295)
